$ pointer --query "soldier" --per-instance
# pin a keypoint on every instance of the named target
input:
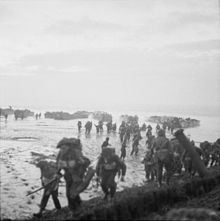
(6, 117)
(149, 133)
(178, 152)
(90, 126)
(135, 144)
(49, 172)
(164, 126)
(164, 156)
(109, 126)
(177, 161)
(215, 153)
(36, 116)
(157, 128)
(122, 131)
(136, 128)
(143, 127)
(149, 166)
(100, 126)
(127, 135)
(97, 128)
(172, 128)
(77, 173)
(206, 148)
(150, 141)
(123, 150)
(188, 162)
(79, 124)
(114, 127)
(149, 128)
(106, 143)
(108, 166)
(87, 125)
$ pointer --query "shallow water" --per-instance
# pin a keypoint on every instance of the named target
(19, 139)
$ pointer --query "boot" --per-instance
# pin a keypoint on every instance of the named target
(105, 197)
(38, 215)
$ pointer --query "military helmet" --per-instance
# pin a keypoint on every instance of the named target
(71, 142)
(70, 149)
(108, 151)
(161, 133)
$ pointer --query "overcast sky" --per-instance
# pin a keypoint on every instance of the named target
(102, 54)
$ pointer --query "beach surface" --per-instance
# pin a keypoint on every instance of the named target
(23, 142)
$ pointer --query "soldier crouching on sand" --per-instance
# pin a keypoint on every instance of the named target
(49, 172)
(77, 172)
(108, 166)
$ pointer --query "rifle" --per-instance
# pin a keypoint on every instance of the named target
(91, 167)
(43, 187)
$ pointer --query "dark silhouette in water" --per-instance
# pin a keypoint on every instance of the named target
(106, 143)
(135, 144)
(36, 116)
(88, 127)
(79, 124)
(109, 126)
(123, 151)
(97, 128)
(6, 117)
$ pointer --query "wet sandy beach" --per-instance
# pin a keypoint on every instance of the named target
(20, 140)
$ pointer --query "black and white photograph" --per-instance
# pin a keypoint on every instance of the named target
(110, 110)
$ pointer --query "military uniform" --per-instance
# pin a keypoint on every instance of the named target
(149, 166)
(123, 151)
(105, 143)
(48, 172)
(135, 144)
(108, 166)
(72, 161)
(122, 131)
(164, 156)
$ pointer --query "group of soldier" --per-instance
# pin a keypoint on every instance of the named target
(37, 116)
(170, 154)
(99, 127)
(77, 170)
(211, 152)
